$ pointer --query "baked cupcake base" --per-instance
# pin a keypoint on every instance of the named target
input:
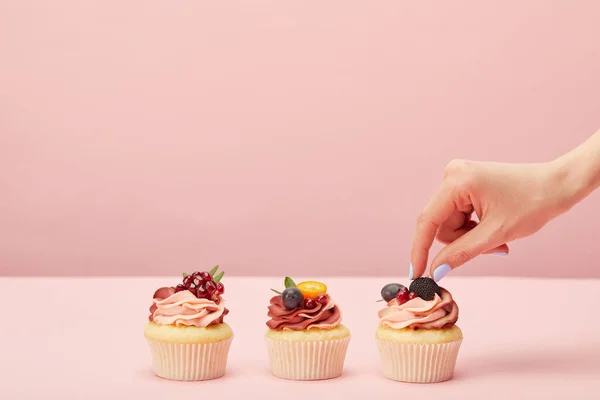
(189, 353)
(314, 354)
(419, 356)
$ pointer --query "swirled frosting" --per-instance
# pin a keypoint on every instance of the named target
(183, 308)
(326, 316)
(441, 312)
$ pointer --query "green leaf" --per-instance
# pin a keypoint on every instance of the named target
(218, 278)
(289, 282)
(276, 291)
(379, 301)
(184, 274)
(214, 270)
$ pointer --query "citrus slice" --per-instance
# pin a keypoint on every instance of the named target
(311, 289)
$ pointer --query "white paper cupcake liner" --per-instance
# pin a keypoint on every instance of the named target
(418, 363)
(189, 362)
(307, 360)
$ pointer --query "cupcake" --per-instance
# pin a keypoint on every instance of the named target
(417, 335)
(187, 336)
(306, 340)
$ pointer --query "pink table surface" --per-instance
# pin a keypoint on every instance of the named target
(82, 339)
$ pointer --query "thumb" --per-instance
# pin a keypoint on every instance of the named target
(477, 241)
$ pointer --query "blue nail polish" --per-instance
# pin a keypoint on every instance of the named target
(441, 272)
(410, 272)
(500, 253)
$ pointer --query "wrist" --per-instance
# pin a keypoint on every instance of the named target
(573, 177)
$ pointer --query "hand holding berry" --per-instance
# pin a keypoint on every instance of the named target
(511, 201)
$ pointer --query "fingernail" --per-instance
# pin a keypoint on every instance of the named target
(500, 253)
(441, 272)
(410, 272)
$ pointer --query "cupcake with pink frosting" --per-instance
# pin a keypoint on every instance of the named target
(417, 335)
(187, 336)
(306, 339)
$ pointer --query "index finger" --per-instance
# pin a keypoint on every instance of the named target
(438, 210)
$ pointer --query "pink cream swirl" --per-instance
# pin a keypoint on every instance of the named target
(441, 312)
(183, 308)
(326, 316)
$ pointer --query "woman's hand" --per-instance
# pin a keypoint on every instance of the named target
(511, 201)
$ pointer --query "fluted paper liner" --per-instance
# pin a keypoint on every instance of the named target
(189, 362)
(307, 360)
(418, 363)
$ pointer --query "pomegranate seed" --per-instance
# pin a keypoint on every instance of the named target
(200, 292)
(412, 295)
(322, 299)
(210, 287)
(220, 288)
(402, 296)
(206, 276)
(188, 280)
(310, 303)
(179, 288)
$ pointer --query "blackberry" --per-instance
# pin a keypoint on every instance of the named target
(425, 288)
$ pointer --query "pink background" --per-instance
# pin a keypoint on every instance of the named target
(278, 137)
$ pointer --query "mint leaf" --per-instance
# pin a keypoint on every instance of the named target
(276, 291)
(184, 274)
(289, 282)
(214, 270)
(379, 301)
(218, 278)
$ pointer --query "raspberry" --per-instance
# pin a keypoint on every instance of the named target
(425, 288)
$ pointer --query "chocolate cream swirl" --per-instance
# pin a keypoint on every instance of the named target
(326, 316)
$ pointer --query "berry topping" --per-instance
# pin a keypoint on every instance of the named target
(291, 298)
(390, 291)
(206, 276)
(188, 280)
(310, 303)
(311, 289)
(200, 292)
(402, 295)
(425, 288)
(204, 285)
(210, 287)
(179, 288)
(322, 299)
(220, 288)
(197, 282)
(412, 295)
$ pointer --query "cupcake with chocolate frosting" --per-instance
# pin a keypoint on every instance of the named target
(306, 339)
(417, 335)
(186, 333)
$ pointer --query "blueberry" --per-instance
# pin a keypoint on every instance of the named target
(292, 298)
(390, 291)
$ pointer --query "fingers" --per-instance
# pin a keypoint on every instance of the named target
(457, 225)
(439, 209)
(479, 240)
(501, 250)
